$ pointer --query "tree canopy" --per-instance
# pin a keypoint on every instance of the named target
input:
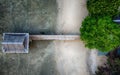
(100, 33)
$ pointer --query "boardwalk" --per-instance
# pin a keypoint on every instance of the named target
(54, 37)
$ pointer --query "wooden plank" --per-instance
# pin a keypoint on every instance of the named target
(10, 49)
(19, 48)
(54, 37)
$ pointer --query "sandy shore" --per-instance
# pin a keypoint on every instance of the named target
(71, 56)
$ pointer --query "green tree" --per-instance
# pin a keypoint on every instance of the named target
(103, 7)
(100, 33)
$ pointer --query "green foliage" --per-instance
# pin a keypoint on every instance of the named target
(103, 7)
(100, 33)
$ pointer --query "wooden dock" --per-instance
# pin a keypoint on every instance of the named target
(54, 37)
(19, 42)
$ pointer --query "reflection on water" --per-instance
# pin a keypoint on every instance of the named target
(32, 16)
(39, 61)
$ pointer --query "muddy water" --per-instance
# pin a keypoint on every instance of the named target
(34, 17)
(71, 56)
(48, 57)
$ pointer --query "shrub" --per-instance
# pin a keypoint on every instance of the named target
(103, 7)
(112, 66)
(100, 33)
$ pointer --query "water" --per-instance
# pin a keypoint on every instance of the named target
(47, 57)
